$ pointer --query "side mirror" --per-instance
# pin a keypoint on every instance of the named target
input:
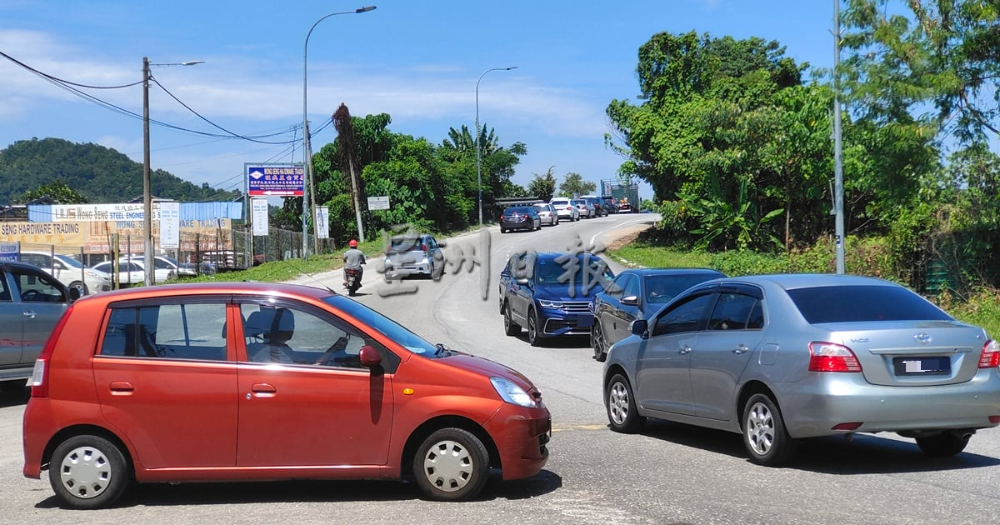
(631, 300)
(523, 281)
(74, 293)
(638, 327)
(369, 357)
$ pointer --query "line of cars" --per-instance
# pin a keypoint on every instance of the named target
(775, 358)
(533, 217)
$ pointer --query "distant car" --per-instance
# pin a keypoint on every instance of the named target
(163, 268)
(519, 218)
(550, 293)
(413, 255)
(598, 204)
(68, 271)
(243, 381)
(129, 273)
(566, 209)
(586, 209)
(31, 303)
(191, 269)
(638, 294)
(547, 214)
(610, 204)
(779, 358)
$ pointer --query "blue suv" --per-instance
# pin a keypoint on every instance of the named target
(550, 293)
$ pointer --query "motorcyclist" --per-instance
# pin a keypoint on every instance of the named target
(353, 259)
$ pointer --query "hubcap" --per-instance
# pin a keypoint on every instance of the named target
(598, 343)
(448, 466)
(532, 329)
(618, 403)
(85, 472)
(760, 428)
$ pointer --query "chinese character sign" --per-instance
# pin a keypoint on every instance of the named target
(281, 181)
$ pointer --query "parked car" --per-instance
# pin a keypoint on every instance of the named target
(519, 218)
(547, 213)
(190, 268)
(566, 209)
(550, 293)
(413, 254)
(129, 273)
(68, 271)
(638, 294)
(598, 205)
(252, 381)
(586, 209)
(780, 358)
(610, 204)
(31, 303)
(163, 268)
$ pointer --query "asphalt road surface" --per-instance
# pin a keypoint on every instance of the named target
(669, 474)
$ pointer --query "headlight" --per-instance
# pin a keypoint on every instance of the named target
(512, 393)
(550, 304)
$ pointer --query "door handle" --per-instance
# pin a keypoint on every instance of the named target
(741, 349)
(262, 390)
(30, 314)
(121, 388)
(684, 351)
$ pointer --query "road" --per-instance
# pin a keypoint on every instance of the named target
(669, 474)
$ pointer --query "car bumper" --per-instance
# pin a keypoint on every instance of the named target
(526, 225)
(813, 408)
(521, 436)
(565, 323)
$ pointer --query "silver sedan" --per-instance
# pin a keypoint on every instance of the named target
(782, 357)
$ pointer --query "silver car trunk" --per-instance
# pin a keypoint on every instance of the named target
(912, 353)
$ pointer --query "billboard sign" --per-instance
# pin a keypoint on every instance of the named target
(274, 180)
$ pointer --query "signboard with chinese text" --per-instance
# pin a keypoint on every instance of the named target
(170, 222)
(259, 214)
(275, 180)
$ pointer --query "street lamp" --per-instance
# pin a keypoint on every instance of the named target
(147, 198)
(306, 150)
(479, 174)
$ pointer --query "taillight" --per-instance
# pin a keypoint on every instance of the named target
(830, 357)
(990, 358)
(39, 381)
(423, 247)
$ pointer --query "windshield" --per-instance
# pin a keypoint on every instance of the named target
(69, 261)
(549, 271)
(383, 325)
(663, 288)
(846, 304)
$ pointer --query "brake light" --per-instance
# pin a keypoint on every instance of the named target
(830, 357)
(423, 247)
(39, 381)
(990, 358)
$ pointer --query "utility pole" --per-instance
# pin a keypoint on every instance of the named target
(838, 167)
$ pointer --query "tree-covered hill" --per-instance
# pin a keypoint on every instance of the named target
(100, 174)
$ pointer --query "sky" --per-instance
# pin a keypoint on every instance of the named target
(418, 61)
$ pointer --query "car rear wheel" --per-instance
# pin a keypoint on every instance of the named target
(451, 465)
(764, 434)
(509, 326)
(597, 341)
(622, 413)
(88, 472)
(944, 444)
(534, 337)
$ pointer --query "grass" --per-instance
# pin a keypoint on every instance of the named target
(644, 255)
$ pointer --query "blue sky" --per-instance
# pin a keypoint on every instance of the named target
(418, 61)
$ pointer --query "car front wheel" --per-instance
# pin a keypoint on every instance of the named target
(944, 444)
(534, 337)
(622, 413)
(597, 341)
(764, 434)
(451, 465)
(88, 472)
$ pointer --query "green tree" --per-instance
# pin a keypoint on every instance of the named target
(573, 185)
(58, 191)
(543, 186)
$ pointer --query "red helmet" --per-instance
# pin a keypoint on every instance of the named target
(353, 243)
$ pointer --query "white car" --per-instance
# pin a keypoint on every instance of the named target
(69, 271)
(129, 274)
(547, 213)
(163, 268)
(565, 209)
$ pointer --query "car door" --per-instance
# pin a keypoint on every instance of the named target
(11, 319)
(166, 380)
(628, 309)
(43, 301)
(724, 349)
(607, 304)
(663, 379)
(320, 409)
(521, 291)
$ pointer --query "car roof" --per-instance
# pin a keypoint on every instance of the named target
(216, 288)
(673, 271)
(791, 281)
(18, 264)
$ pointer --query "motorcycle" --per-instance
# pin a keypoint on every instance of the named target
(352, 280)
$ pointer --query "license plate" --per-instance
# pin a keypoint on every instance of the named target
(917, 366)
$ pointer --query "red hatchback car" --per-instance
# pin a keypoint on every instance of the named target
(254, 381)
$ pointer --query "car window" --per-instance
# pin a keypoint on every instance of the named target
(384, 325)
(663, 288)
(685, 316)
(632, 288)
(617, 287)
(170, 331)
(5, 295)
(732, 312)
(160, 264)
(848, 304)
(37, 287)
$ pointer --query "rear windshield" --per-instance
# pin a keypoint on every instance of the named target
(848, 304)
(520, 209)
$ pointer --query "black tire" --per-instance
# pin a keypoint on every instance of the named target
(88, 472)
(764, 434)
(597, 341)
(534, 336)
(503, 230)
(80, 285)
(620, 403)
(944, 444)
(509, 326)
(451, 465)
